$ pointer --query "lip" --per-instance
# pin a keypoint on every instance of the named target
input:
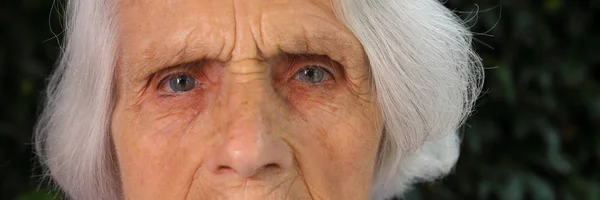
(288, 186)
(233, 182)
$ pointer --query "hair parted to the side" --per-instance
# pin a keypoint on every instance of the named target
(71, 137)
(426, 76)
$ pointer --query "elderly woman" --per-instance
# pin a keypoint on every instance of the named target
(256, 99)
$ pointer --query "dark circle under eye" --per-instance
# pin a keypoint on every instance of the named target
(182, 83)
(312, 75)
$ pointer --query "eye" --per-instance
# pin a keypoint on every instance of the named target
(313, 74)
(180, 83)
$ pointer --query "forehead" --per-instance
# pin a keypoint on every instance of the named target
(167, 32)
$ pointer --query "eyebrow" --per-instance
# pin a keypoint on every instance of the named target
(334, 43)
(336, 47)
(160, 55)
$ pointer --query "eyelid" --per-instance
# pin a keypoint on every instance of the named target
(169, 72)
(319, 66)
(166, 77)
(300, 62)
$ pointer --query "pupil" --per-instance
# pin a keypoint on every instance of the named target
(182, 83)
(313, 75)
(310, 72)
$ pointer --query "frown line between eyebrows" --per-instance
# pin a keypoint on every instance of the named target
(156, 56)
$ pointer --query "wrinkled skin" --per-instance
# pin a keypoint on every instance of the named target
(250, 128)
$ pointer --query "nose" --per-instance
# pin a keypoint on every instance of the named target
(251, 147)
(248, 153)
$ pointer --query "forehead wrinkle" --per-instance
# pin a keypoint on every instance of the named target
(333, 40)
(162, 54)
(147, 46)
(339, 49)
(337, 42)
(329, 38)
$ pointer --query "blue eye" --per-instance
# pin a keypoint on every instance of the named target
(312, 74)
(181, 83)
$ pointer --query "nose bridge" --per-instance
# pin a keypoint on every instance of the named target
(249, 146)
(246, 89)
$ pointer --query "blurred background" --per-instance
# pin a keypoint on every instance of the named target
(535, 133)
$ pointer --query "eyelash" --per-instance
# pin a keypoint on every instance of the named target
(307, 61)
(317, 66)
(167, 76)
(171, 72)
(164, 78)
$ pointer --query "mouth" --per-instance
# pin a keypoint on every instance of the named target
(288, 187)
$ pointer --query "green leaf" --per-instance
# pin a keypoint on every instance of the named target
(553, 5)
(540, 189)
(38, 195)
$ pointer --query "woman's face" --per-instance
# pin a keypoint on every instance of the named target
(252, 99)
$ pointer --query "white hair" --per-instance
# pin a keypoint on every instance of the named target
(425, 73)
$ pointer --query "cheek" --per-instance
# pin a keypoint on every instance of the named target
(348, 134)
(339, 141)
(157, 152)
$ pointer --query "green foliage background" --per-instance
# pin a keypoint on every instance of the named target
(535, 134)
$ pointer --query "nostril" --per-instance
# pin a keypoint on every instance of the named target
(271, 165)
(250, 157)
(224, 169)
